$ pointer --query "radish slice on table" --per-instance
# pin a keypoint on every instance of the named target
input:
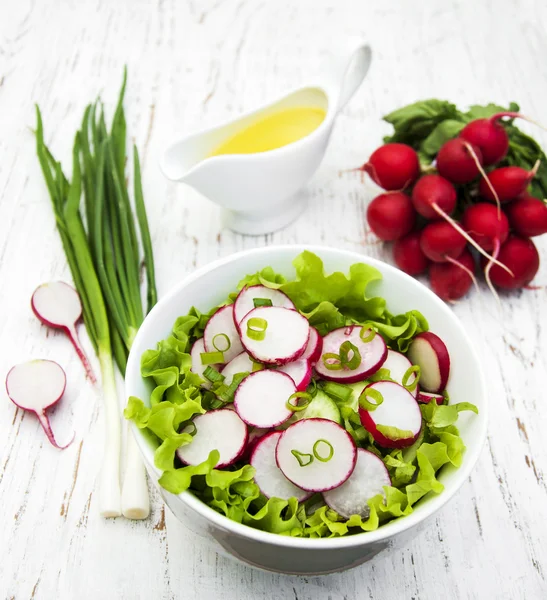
(197, 366)
(426, 397)
(258, 295)
(367, 480)
(390, 413)
(220, 335)
(242, 363)
(261, 399)
(347, 358)
(268, 476)
(316, 454)
(275, 335)
(35, 386)
(399, 365)
(299, 371)
(58, 305)
(220, 430)
(429, 352)
(312, 353)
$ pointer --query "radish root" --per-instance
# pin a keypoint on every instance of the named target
(465, 235)
(483, 175)
(515, 115)
(464, 268)
(73, 335)
(495, 253)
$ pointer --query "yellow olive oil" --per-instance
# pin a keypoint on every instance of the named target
(274, 131)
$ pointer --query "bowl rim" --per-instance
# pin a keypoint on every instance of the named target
(432, 505)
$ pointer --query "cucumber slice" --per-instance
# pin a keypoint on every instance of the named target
(321, 407)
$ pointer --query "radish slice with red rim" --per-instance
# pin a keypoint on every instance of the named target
(390, 413)
(255, 435)
(299, 371)
(251, 297)
(429, 352)
(220, 335)
(400, 371)
(220, 430)
(242, 363)
(363, 358)
(197, 366)
(316, 454)
(426, 397)
(275, 335)
(261, 399)
(268, 476)
(312, 353)
(367, 480)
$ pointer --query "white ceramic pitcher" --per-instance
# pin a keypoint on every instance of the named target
(258, 191)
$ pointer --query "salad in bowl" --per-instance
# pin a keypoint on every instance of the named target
(302, 406)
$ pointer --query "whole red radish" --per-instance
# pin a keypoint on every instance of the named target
(451, 281)
(433, 195)
(393, 166)
(408, 255)
(391, 215)
(485, 224)
(440, 242)
(489, 136)
(459, 161)
(508, 182)
(521, 256)
(527, 215)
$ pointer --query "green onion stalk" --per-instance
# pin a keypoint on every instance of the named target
(100, 242)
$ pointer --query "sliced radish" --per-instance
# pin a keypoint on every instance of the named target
(299, 371)
(312, 353)
(398, 364)
(268, 476)
(261, 399)
(197, 366)
(255, 435)
(372, 355)
(426, 397)
(396, 421)
(282, 337)
(245, 301)
(36, 386)
(367, 480)
(242, 363)
(316, 454)
(220, 430)
(429, 352)
(221, 335)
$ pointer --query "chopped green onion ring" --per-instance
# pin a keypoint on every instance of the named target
(213, 375)
(355, 360)
(256, 328)
(316, 450)
(227, 344)
(303, 459)
(413, 370)
(331, 366)
(259, 302)
(297, 407)
(190, 424)
(367, 395)
(211, 358)
(368, 329)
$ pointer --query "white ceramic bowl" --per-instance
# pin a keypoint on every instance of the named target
(209, 286)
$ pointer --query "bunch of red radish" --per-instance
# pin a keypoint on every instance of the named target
(498, 223)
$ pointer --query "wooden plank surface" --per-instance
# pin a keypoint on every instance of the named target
(191, 64)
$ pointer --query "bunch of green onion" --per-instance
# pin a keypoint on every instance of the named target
(100, 241)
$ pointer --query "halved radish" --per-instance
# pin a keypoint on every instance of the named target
(197, 366)
(220, 334)
(426, 397)
(396, 420)
(261, 399)
(316, 454)
(371, 355)
(367, 480)
(299, 371)
(268, 476)
(312, 353)
(245, 301)
(242, 363)
(220, 430)
(429, 352)
(398, 364)
(275, 335)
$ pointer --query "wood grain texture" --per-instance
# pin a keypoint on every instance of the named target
(191, 64)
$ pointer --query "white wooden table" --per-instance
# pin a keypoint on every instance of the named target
(193, 63)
